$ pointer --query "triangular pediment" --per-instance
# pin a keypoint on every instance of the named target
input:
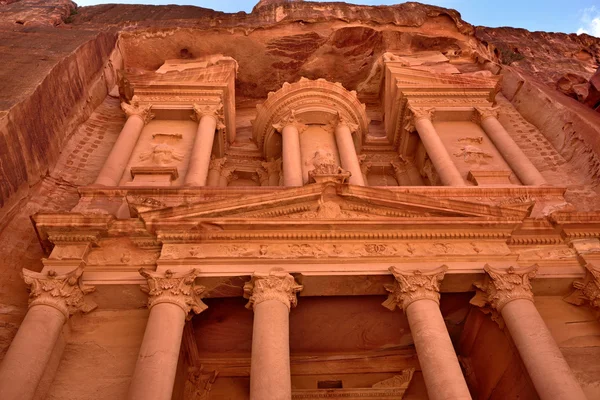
(336, 202)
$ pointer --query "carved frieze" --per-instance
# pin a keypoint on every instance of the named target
(503, 286)
(116, 252)
(415, 285)
(64, 292)
(175, 288)
(276, 285)
(144, 112)
(301, 250)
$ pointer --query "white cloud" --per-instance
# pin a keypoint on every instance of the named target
(590, 20)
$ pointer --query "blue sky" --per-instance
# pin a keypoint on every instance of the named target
(543, 15)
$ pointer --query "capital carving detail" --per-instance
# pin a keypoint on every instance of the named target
(365, 166)
(65, 292)
(144, 112)
(216, 163)
(175, 288)
(486, 112)
(290, 119)
(229, 174)
(419, 113)
(341, 120)
(415, 285)
(503, 286)
(209, 110)
(272, 167)
(588, 290)
(276, 285)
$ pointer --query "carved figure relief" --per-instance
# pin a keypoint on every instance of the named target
(473, 155)
(324, 164)
(161, 154)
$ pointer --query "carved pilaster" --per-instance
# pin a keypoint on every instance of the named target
(416, 285)
(216, 164)
(210, 110)
(290, 119)
(276, 285)
(144, 112)
(65, 292)
(482, 113)
(503, 286)
(588, 290)
(175, 288)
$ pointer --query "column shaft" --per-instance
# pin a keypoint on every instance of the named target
(292, 160)
(114, 166)
(512, 153)
(25, 361)
(156, 366)
(550, 373)
(447, 171)
(197, 172)
(348, 157)
(270, 366)
(441, 370)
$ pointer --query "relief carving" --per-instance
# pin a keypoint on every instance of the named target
(397, 381)
(161, 154)
(503, 286)
(64, 292)
(199, 384)
(276, 285)
(470, 139)
(411, 286)
(473, 155)
(588, 290)
(175, 288)
(216, 163)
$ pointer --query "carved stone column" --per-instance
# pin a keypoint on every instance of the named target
(271, 296)
(447, 171)
(214, 171)
(290, 128)
(273, 169)
(209, 119)
(114, 166)
(509, 292)
(511, 152)
(417, 293)
(345, 144)
(171, 297)
(52, 299)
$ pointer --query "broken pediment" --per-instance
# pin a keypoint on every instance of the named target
(330, 201)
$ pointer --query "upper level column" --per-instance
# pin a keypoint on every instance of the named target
(290, 128)
(114, 166)
(171, 298)
(447, 171)
(417, 293)
(512, 153)
(345, 144)
(52, 299)
(209, 119)
(271, 296)
(509, 292)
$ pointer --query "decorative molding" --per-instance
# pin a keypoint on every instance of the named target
(276, 285)
(144, 112)
(415, 285)
(588, 290)
(503, 286)
(175, 288)
(64, 292)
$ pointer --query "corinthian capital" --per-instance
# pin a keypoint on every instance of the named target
(65, 292)
(216, 163)
(272, 167)
(289, 119)
(588, 290)
(341, 120)
(209, 110)
(503, 286)
(276, 285)
(483, 113)
(419, 113)
(144, 112)
(179, 289)
(416, 285)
